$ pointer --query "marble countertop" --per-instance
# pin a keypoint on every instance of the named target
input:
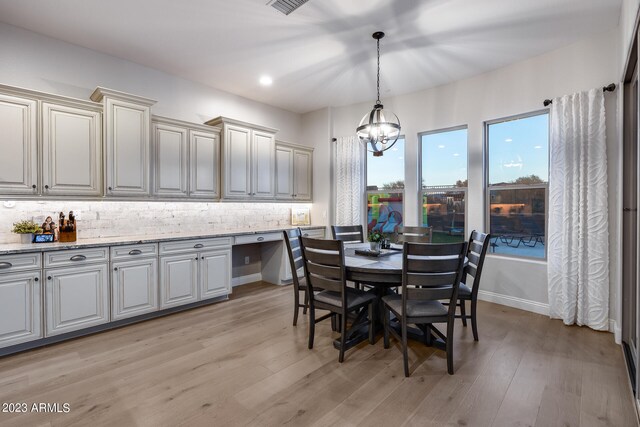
(16, 248)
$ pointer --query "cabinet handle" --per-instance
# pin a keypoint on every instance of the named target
(196, 258)
(115, 268)
(46, 187)
(198, 246)
(4, 265)
(78, 258)
(260, 239)
(305, 235)
(135, 252)
(34, 186)
(109, 188)
(202, 258)
(48, 277)
(35, 279)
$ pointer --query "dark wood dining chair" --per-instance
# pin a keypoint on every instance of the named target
(296, 261)
(415, 234)
(478, 244)
(327, 290)
(348, 233)
(429, 273)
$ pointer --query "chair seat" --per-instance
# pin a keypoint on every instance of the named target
(415, 308)
(355, 297)
(464, 292)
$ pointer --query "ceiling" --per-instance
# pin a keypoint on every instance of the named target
(322, 54)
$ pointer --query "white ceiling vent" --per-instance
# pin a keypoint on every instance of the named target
(286, 6)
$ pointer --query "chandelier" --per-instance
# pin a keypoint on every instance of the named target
(379, 129)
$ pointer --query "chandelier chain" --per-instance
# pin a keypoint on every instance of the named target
(378, 81)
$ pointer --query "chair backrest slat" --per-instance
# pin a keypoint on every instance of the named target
(325, 268)
(415, 234)
(348, 233)
(478, 245)
(432, 272)
(296, 258)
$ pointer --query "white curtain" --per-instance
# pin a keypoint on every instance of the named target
(578, 237)
(348, 170)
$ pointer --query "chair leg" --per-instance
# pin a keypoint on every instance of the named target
(474, 320)
(450, 325)
(334, 326)
(343, 336)
(386, 320)
(312, 326)
(296, 305)
(306, 302)
(463, 312)
(371, 324)
(405, 351)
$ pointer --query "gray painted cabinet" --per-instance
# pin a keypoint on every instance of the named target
(178, 279)
(171, 160)
(294, 172)
(134, 287)
(20, 307)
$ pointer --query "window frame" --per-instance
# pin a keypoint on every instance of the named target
(365, 203)
(422, 191)
(488, 187)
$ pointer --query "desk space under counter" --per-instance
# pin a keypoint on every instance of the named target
(53, 293)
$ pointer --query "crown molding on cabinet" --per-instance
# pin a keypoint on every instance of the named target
(182, 123)
(226, 120)
(101, 92)
(49, 97)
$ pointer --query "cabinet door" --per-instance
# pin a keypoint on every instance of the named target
(76, 298)
(178, 280)
(19, 159)
(127, 140)
(205, 158)
(215, 273)
(134, 288)
(303, 178)
(19, 308)
(71, 151)
(284, 172)
(263, 165)
(237, 159)
(171, 161)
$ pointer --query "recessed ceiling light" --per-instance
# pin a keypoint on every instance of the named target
(266, 81)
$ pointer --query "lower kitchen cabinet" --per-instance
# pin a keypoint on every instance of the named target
(20, 310)
(76, 298)
(134, 288)
(215, 273)
(178, 279)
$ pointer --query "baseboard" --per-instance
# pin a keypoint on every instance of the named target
(616, 330)
(243, 280)
(515, 302)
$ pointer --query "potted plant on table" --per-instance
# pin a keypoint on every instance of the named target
(376, 238)
(26, 229)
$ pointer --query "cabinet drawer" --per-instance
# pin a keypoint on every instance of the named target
(133, 251)
(21, 262)
(75, 257)
(316, 233)
(194, 245)
(258, 238)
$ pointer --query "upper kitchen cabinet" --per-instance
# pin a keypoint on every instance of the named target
(71, 151)
(187, 158)
(127, 124)
(19, 159)
(248, 159)
(294, 172)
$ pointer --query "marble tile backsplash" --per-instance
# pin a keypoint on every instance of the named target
(117, 218)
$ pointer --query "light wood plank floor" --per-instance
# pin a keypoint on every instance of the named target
(242, 363)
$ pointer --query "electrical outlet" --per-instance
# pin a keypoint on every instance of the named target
(246, 260)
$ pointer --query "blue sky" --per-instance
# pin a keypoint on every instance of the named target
(516, 148)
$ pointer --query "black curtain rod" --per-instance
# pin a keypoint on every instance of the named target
(608, 88)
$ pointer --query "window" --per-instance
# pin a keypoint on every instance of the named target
(444, 183)
(385, 189)
(517, 176)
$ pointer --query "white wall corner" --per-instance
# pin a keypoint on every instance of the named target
(514, 302)
(244, 280)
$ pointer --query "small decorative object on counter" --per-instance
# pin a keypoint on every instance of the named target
(300, 216)
(68, 229)
(26, 229)
(49, 227)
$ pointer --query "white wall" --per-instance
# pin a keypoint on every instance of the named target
(41, 63)
(518, 88)
(628, 15)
